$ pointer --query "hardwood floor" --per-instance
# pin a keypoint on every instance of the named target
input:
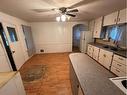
(56, 80)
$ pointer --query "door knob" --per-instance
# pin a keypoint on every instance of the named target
(13, 51)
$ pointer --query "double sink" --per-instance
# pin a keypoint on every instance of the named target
(120, 82)
(111, 48)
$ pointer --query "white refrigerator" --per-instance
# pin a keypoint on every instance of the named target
(85, 38)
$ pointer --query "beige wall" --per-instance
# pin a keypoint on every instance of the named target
(53, 36)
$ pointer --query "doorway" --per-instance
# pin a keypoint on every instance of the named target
(77, 37)
(29, 40)
(7, 48)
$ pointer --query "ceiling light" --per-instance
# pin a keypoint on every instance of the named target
(63, 18)
(68, 17)
(58, 19)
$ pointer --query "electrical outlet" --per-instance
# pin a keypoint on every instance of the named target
(41, 50)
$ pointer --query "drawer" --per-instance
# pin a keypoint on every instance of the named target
(120, 59)
(117, 71)
(119, 66)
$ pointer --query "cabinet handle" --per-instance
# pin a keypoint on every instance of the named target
(104, 55)
(120, 58)
(117, 70)
(13, 51)
(119, 65)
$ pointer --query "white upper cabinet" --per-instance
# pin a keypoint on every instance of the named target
(97, 27)
(122, 16)
(110, 19)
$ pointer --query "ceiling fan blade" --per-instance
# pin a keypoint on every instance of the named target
(80, 3)
(74, 10)
(41, 10)
(72, 15)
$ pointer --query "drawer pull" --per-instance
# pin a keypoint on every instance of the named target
(117, 70)
(104, 55)
(120, 58)
(119, 65)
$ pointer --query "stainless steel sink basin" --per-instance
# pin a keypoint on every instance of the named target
(120, 82)
(105, 46)
(110, 47)
(124, 83)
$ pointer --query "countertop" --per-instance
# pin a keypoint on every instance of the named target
(5, 77)
(122, 53)
(93, 78)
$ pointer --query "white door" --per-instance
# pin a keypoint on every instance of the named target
(14, 43)
(4, 62)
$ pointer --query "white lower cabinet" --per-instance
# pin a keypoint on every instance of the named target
(119, 66)
(13, 87)
(105, 58)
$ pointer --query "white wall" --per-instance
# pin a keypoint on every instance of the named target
(53, 36)
(5, 18)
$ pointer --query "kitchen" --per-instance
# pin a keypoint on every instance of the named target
(36, 56)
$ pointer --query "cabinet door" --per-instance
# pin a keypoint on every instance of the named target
(19, 84)
(95, 53)
(74, 81)
(110, 19)
(105, 58)
(90, 50)
(122, 16)
(9, 88)
(108, 59)
(101, 58)
(97, 27)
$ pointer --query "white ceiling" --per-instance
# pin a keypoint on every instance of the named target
(87, 10)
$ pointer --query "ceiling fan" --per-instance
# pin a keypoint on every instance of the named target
(64, 11)
(70, 11)
(61, 10)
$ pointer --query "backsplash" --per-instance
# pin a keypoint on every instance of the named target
(110, 43)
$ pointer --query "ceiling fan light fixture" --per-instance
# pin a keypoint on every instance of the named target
(68, 17)
(63, 18)
(58, 19)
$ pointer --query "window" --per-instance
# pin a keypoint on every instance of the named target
(12, 34)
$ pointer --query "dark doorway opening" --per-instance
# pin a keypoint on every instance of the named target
(77, 35)
(7, 48)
